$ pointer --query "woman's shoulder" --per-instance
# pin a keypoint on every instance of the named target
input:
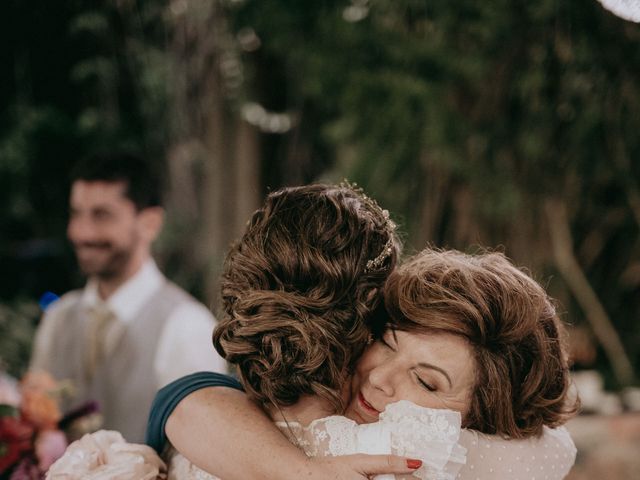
(169, 396)
(550, 439)
(551, 455)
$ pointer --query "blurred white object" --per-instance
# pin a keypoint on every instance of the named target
(593, 396)
(627, 9)
(590, 387)
(610, 404)
(631, 398)
(9, 390)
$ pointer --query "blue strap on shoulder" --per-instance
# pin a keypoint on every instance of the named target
(169, 396)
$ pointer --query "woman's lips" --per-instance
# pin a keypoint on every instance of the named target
(366, 406)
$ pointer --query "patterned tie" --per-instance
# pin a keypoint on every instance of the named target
(101, 319)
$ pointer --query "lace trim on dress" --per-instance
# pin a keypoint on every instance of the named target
(405, 429)
(434, 436)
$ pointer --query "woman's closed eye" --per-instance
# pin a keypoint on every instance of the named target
(426, 385)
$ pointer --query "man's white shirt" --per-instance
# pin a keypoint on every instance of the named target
(184, 345)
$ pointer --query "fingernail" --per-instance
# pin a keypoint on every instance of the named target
(414, 464)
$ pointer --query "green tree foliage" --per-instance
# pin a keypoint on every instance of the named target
(17, 323)
(68, 86)
(500, 122)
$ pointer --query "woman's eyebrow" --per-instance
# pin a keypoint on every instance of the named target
(435, 367)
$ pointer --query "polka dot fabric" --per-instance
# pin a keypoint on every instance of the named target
(549, 457)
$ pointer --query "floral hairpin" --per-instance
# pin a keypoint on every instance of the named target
(387, 249)
(377, 262)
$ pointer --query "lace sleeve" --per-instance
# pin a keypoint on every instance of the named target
(549, 457)
(404, 429)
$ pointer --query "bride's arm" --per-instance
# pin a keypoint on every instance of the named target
(549, 456)
(221, 431)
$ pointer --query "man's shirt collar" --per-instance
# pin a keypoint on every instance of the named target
(130, 297)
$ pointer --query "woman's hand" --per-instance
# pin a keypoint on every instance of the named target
(358, 467)
(224, 433)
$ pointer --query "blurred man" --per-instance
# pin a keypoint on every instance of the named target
(129, 331)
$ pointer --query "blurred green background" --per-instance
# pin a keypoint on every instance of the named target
(507, 124)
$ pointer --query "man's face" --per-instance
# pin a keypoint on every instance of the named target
(104, 228)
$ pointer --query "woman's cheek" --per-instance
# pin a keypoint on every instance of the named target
(374, 356)
(347, 390)
(361, 372)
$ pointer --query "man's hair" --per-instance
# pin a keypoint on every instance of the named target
(142, 184)
(299, 288)
(517, 340)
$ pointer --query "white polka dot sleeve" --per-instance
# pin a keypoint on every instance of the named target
(549, 457)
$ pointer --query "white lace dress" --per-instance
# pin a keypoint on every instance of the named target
(433, 436)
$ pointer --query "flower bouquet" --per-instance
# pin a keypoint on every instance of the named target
(106, 455)
(33, 430)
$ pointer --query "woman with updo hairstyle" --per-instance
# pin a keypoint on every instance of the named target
(459, 341)
(298, 288)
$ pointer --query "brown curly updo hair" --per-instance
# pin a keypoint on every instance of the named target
(511, 326)
(298, 290)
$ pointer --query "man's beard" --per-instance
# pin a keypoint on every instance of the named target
(112, 266)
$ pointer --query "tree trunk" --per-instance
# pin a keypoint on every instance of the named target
(210, 135)
(574, 276)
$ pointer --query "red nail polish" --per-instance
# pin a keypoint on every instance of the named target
(414, 464)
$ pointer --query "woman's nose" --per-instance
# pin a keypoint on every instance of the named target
(382, 378)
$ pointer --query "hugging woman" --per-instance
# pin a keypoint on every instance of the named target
(468, 334)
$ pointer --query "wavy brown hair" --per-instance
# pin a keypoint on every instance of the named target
(511, 324)
(297, 292)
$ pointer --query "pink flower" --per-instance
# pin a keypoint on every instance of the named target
(26, 470)
(39, 404)
(50, 446)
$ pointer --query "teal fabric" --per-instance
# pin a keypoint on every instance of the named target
(169, 396)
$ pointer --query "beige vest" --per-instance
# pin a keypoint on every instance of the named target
(124, 384)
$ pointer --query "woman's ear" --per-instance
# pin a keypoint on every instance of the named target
(151, 220)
